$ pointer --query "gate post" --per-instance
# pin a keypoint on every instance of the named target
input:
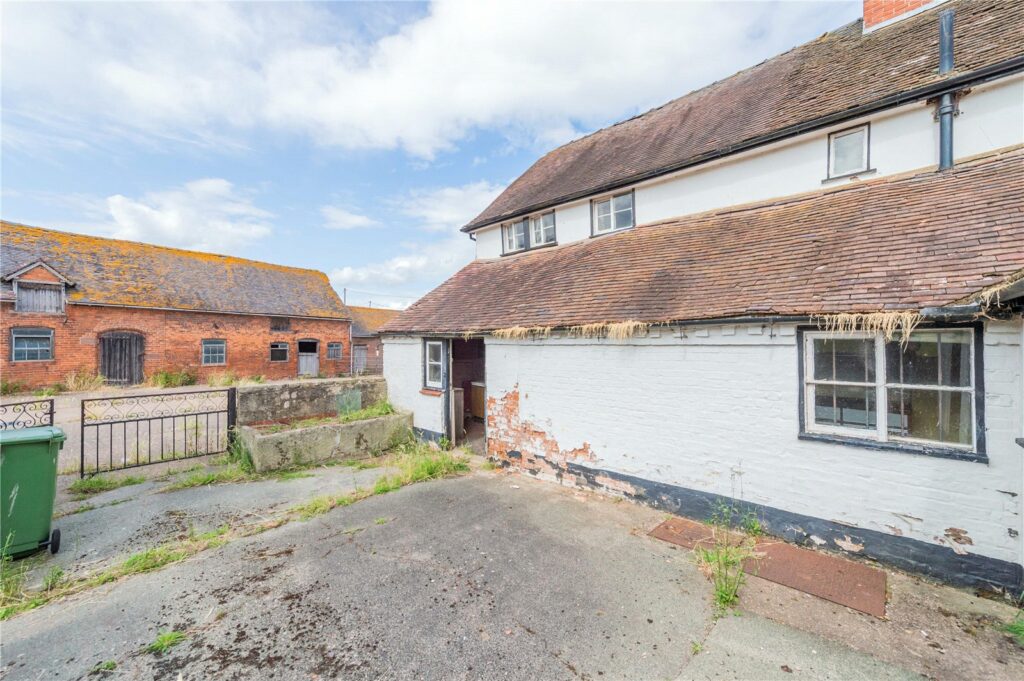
(232, 414)
(81, 441)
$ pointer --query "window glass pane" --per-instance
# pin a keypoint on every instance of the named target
(334, 351)
(623, 202)
(941, 416)
(278, 352)
(844, 359)
(32, 345)
(930, 358)
(623, 218)
(434, 373)
(844, 405)
(214, 351)
(848, 152)
(603, 216)
(434, 352)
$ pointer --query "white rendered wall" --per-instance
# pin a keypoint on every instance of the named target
(717, 411)
(902, 140)
(403, 370)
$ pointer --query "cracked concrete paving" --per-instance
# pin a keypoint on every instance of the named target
(483, 576)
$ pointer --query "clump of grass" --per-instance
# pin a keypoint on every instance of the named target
(232, 473)
(1016, 627)
(488, 465)
(49, 391)
(97, 484)
(292, 475)
(172, 379)
(11, 387)
(53, 578)
(696, 647)
(82, 381)
(164, 641)
(380, 408)
(79, 509)
(151, 559)
(380, 521)
(222, 379)
(360, 464)
(108, 666)
(239, 454)
(257, 379)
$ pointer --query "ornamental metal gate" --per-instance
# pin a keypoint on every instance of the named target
(139, 430)
(19, 415)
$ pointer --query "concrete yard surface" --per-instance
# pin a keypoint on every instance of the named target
(487, 576)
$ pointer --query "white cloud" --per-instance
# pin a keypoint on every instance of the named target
(538, 73)
(337, 217)
(206, 215)
(423, 264)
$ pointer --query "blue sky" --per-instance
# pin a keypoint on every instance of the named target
(354, 138)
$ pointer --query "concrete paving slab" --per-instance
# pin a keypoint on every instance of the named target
(752, 647)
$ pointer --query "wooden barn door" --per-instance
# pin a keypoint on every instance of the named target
(121, 355)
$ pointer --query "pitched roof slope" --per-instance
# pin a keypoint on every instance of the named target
(115, 272)
(366, 321)
(836, 73)
(891, 244)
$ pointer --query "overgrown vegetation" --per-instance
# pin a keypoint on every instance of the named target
(172, 379)
(82, 381)
(49, 391)
(416, 462)
(381, 408)
(734, 537)
(108, 666)
(164, 641)
(222, 378)
(96, 484)
(11, 387)
(1016, 627)
(53, 578)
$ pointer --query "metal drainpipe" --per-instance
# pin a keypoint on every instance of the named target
(946, 103)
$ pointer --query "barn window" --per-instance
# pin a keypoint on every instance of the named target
(433, 363)
(916, 392)
(31, 345)
(215, 351)
(280, 324)
(278, 352)
(334, 351)
(45, 298)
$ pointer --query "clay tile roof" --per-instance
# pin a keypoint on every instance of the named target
(366, 321)
(114, 272)
(832, 76)
(900, 243)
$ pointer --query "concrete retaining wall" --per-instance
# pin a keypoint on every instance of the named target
(329, 442)
(303, 398)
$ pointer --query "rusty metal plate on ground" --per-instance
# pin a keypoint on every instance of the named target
(834, 579)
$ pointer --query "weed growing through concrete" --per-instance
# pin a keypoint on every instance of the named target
(292, 475)
(734, 536)
(164, 641)
(96, 484)
(53, 578)
(381, 521)
(1016, 627)
(107, 666)
(696, 647)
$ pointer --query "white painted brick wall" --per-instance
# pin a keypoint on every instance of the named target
(717, 411)
(403, 369)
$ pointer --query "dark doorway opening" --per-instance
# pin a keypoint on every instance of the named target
(309, 357)
(468, 379)
(121, 357)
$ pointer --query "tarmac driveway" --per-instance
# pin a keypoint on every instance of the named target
(484, 576)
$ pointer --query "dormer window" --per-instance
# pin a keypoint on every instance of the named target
(42, 298)
(848, 151)
(528, 233)
(612, 213)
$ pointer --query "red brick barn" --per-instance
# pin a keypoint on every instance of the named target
(125, 310)
(367, 354)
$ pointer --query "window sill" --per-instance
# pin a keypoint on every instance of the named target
(32, 361)
(850, 176)
(901, 447)
(531, 248)
(431, 392)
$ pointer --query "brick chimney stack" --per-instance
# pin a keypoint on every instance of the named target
(884, 12)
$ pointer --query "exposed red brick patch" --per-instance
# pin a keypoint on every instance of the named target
(524, 445)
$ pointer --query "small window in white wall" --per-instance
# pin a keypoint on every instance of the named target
(917, 393)
(543, 230)
(612, 213)
(848, 151)
(433, 356)
(515, 236)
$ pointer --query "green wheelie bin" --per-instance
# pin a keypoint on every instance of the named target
(28, 485)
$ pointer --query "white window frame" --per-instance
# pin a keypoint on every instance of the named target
(508, 235)
(427, 383)
(332, 346)
(865, 150)
(882, 386)
(287, 351)
(537, 230)
(202, 352)
(595, 229)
